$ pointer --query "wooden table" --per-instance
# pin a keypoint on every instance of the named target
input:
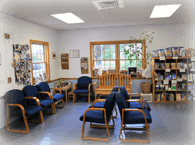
(66, 88)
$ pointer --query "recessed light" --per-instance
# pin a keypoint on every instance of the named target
(163, 11)
(68, 18)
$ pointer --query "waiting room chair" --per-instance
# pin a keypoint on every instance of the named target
(32, 91)
(83, 86)
(45, 92)
(101, 104)
(101, 116)
(15, 98)
(132, 116)
(135, 105)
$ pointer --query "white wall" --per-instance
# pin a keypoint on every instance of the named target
(165, 36)
(21, 32)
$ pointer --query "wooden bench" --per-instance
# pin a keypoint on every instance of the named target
(106, 83)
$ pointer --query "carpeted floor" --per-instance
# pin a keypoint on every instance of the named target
(172, 124)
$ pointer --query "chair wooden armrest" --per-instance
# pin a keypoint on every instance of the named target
(89, 87)
(58, 89)
(127, 109)
(98, 100)
(131, 83)
(95, 84)
(75, 86)
(138, 100)
(34, 98)
(18, 105)
(48, 93)
(95, 109)
(136, 94)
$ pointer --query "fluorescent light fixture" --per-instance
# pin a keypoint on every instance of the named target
(163, 11)
(69, 18)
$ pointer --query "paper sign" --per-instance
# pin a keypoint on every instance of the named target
(175, 57)
(168, 70)
(174, 81)
(162, 58)
(179, 80)
(182, 70)
(193, 59)
(166, 82)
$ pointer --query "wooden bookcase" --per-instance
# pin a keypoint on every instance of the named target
(65, 61)
(178, 72)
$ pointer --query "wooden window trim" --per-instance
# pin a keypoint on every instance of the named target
(117, 52)
(47, 61)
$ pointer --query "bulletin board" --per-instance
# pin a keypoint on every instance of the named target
(22, 64)
(84, 65)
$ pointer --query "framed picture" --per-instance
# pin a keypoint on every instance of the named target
(74, 53)
(54, 55)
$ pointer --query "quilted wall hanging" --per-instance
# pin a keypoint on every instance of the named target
(22, 64)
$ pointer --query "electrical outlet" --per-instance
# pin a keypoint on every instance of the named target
(1, 82)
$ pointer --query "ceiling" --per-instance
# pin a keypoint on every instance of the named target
(135, 12)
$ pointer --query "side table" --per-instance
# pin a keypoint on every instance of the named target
(65, 89)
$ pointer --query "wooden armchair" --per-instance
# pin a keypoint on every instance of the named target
(45, 91)
(135, 105)
(45, 102)
(100, 115)
(17, 99)
(83, 86)
(132, 116)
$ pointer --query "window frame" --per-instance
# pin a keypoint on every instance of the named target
(117, 52)
(47, 60)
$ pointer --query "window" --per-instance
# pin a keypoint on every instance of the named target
(40, 60)
(110, 56)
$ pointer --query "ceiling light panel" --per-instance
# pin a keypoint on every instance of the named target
(68, 18)
(164, 11)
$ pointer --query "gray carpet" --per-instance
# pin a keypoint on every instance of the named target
(172, 124)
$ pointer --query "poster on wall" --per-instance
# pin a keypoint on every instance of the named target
(22, 64)
(74, 53)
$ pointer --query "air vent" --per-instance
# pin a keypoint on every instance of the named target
(108, 4)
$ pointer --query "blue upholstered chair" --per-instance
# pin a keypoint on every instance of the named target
(16, 100)
(45, 92)
(101, 116)
(83, 86)
(101, 104)
(32, 91)
(135, 105)
(132, 116)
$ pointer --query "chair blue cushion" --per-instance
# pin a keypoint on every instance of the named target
(94, 116)
(30, 91)
(109, 105)
(135, 117)
(57, 97)
(43, 87)
(121, 101)
(115, 89)
(81, 91)
(15, 96)
(44, 102)
(98, 105)
(139, 106)
(123, 89)
(83, 82)
(32, 110)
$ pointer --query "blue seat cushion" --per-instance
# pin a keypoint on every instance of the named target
(57, 97)
(44, 102)
(81, 91)
(32, 110)
(139, 106)
(98, 105)
(136, 117)
(94, 116)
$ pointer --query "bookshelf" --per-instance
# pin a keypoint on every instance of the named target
(170, 84)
